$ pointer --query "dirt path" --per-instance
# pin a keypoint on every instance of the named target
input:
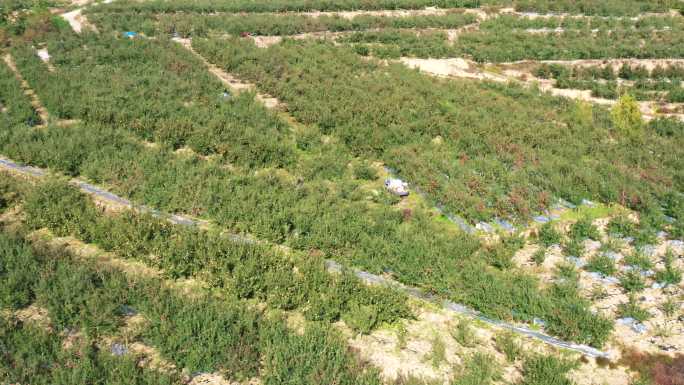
(28, 91)
(236, 85)
(462, 68)
(649, 64)
(428, 11)
(536, 15)
(77, 20)
(480, 12)
(265, 41)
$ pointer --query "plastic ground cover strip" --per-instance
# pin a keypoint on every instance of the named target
(331, 266)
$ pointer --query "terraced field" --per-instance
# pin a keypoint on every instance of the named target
(195, 192)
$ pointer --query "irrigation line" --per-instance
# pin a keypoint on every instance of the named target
(453, 307)
(331, 266)
(486, 227)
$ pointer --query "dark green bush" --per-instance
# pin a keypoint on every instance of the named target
(548, 235)
(33, 355)
(668, 127)
(365, 172)
(584, 229)
(18, 274)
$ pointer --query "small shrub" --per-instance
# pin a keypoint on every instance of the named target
(667, 127)
(655, 369)
(361, 318)
(18, 273)
(365, 172)
(583, 113)
(621, 225)
(639, 260)
(546, 370)
(626, 116)
(676, 95)
(507, 343)
(645, 236)
(539, 256)
(574, 247)
(480, 369)
(567, 272)
(632, 309)
(600, 263)
(543, 71)
(584, 229)
(501, 254)
(632, 282)
(362, 50)
(670, 307)
(548, 235)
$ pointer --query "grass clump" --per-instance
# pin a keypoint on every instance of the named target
(539, 256)
(508, 344)
(479, 369)
(464, 334)
(639, 260)
(574, 247)
(670, 307)
(547, 370)
(548, 235)
(584, 229)
(670, 275)
(632, 281)
(437, 355)
(601, 263)
(621, 225)
(365, 172)
(632, 309)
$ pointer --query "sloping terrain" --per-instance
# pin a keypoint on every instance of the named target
(194, 192)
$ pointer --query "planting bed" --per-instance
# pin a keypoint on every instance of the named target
(199, 25)
(198, 333)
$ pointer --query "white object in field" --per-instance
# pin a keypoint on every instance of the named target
(43, 55)
(397, 187)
